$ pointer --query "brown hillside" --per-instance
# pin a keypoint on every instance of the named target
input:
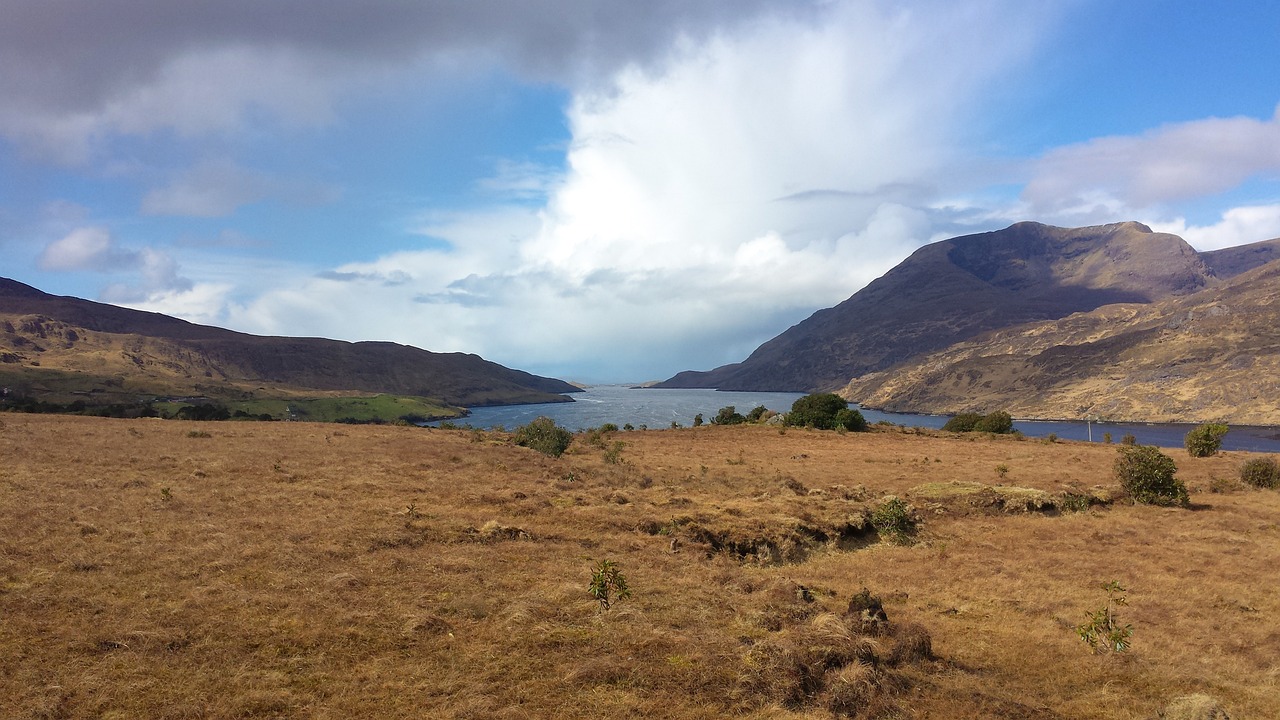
(149, 352)
(957, 289)
(1211, 355)
(164, 569)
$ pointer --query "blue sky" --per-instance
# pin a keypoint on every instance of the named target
(601, 191)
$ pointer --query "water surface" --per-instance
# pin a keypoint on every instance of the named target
(657, 409)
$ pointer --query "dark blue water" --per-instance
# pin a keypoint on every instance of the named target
(657, 409)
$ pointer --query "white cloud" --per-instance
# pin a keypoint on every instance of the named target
(1174, 162)
(709, 201)
(202, 303)
(86, 248)
(1238, 226)
(93, 249)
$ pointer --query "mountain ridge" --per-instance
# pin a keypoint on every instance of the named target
(41, 333)
(959, 288)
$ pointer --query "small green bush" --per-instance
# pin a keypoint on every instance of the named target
(1148, 476)
(757, 414)
(894, 522)
(999, 422)
(728, 415)
(1206, 440)
(1261, 473)
(825, 411)
(853, 420)
(964, 422)
(608, 584)
(542, 434)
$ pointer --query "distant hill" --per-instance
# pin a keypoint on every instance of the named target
(957, 289)
(60, 346)
(1115, 321)
(1210, 355)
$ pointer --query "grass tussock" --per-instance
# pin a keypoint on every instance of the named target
(291, 570)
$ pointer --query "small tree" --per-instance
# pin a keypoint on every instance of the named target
(1103, 632)
(757, 414)
(1147, 475)
(608, 584)
(697, 420)
(542, 434)
(1206, 440)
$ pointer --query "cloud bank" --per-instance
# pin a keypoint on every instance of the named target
(731, 165)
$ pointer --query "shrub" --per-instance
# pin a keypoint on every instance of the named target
(542, 434)
(1147, 475)
(1206, 440)
(1103, 632)
(728, 415)
(697, 420)
(1128, 439)
(1261, 473)
(608, 584)
(999, 422)
(964, 422)
(757, 414)
(894, 522)
(825, 411)
(847, 419)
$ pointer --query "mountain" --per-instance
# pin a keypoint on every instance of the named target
(50, 343)
(1210, 355)
(958, 289)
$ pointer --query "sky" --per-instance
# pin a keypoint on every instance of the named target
(601, 191)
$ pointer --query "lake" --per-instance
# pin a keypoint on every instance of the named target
(657, 409)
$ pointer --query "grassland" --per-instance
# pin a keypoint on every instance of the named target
(166, 569)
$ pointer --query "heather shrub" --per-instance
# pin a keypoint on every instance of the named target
(1148, 476)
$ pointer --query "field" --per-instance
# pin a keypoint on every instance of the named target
(167, 569)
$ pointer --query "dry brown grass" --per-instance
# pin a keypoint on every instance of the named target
(305, 570)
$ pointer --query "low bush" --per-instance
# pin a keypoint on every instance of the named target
(1148, 476)
(825, 411)
(542, 434)
(728, 415)
(964, 422)
(1260, 473)
(894, 522)
(999, 422)
(1206, 440)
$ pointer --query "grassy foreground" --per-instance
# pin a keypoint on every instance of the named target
(165, 569)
